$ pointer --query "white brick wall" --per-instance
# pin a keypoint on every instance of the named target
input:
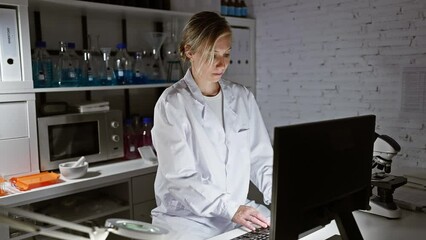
(321, 59)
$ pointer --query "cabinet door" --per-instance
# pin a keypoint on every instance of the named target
(142, 211)
(18, 134)
(143, 197)
(143, 188)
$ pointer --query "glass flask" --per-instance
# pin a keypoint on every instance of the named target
(171, 53)
(93, 63)
(66, 74)
(139, 69)
(42, 66)
(88, 74)
(123, 66)
(107, 75)
(156, 71)
(77, 60)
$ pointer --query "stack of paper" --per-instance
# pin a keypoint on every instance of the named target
(416, 179)
(413, 194)
(91, 107)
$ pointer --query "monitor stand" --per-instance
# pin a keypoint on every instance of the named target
(335, 237)
(347, 226)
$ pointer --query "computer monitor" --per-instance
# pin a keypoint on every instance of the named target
(321, 172)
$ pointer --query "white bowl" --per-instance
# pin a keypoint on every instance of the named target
(70, 172)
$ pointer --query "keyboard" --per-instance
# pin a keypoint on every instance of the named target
(258, 234)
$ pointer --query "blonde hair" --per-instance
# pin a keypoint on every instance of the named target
(201, 33)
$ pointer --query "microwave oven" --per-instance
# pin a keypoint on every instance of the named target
(95, 135)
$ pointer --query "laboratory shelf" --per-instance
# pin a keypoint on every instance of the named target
(158, 15)
(92, 7)
(99, 88)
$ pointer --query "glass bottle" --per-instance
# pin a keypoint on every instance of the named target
(66, 70)
(77, 60)
(137, 127)
(223, 7)
(139, 69)
(146, 131)
(231, 8)
(237, 7)
(92, 66)
(130, 141)
(107, 75)
(123, 65)
(42, 66)
(244, 10)
(88, 75)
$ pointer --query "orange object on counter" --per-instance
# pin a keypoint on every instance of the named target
(29, 182)
(2, 192)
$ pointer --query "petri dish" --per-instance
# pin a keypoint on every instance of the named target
(136, 229)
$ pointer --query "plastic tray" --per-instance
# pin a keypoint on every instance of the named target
(29, 182)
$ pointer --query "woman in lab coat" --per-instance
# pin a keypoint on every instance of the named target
(210, 140)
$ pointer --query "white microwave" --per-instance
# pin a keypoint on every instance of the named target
(95, 135)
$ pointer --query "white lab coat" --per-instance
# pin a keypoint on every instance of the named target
(204, 169)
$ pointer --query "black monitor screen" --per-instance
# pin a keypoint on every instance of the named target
(322, 171)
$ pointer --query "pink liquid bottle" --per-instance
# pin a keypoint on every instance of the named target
(130, 141)
(146, 131)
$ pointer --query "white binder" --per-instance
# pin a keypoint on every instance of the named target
(240, 54)
(10, 62)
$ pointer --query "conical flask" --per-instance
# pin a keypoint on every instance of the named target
(156, 72)
(107, 76)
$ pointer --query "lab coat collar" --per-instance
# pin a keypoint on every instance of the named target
(196, 92)
(229, 113)
(193, 87)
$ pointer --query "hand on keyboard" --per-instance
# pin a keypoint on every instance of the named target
(249, 217)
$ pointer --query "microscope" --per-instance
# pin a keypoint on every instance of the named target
(381, 201)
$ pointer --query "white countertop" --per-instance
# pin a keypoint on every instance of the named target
(97, 176)
(412, 226)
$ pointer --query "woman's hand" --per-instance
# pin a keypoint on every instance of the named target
(248, 216)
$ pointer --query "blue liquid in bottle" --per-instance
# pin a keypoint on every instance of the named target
(123, 66)
(42, 66)
(67, 68)
(107, 76)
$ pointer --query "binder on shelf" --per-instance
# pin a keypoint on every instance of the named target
(233, 68)
(10, 62)
(245, 51)
(240, 55)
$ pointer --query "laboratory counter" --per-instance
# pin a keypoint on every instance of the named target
(98, 175)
